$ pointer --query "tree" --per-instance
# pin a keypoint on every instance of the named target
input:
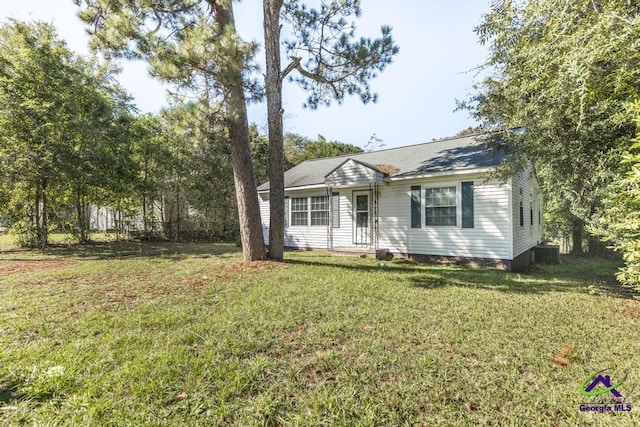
(330, 65)
(374, 143)
(150, 152)
(56, 113)
(299, 148)
(566, 72)
(193, 44)
(33, 63)
(200, 174)
(98, 159)
(471, 130)
(619, 221)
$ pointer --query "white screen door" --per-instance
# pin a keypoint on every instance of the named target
(361, 218)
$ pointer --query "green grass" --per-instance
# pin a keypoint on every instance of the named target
(184, 334)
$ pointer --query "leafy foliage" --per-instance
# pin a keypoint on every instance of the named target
(198, 188)
(193, 45)
(620, 220)
(60, 128)
(567, 73)
(299, 148)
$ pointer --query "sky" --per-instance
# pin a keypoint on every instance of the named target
(417, 93)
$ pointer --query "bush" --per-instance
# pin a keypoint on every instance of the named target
(29, 235)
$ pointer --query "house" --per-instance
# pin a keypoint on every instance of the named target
(431, 201)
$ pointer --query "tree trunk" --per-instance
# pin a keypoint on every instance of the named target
(178, 216)
(238, 126)
(577, 233)
(273, 81)
(35, 219)
(44, 236)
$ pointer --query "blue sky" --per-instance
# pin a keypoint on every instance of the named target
(417, 93)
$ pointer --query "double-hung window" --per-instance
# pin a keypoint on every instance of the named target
(441, 206)
(309, 210)
(299, 211)
(320, 210)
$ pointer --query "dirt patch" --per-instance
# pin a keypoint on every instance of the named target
(20, 267)
(231, 271)
(631, 308)
(252, 267)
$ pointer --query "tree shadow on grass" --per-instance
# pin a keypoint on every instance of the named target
(594, 276)
(135, 249)
(8, 392)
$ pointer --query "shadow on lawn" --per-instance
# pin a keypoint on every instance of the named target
(134, 249)
(10, 394)
(595, 276)
(7, 392)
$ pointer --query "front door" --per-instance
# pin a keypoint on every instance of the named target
(361, 218)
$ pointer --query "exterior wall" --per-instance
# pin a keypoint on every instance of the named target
(525, 187)
(353, 173)
(296, 236)
(343, 236)
(263, 201)
(490, 237)
(316, 236)
(101, 218)
(496, 232)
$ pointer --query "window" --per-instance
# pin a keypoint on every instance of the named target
(320, 210)
(441, 206)
(416, 206)
(335, 210)
(467, 204)
(299, 211)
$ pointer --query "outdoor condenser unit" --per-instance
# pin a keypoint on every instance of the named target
(547, 254)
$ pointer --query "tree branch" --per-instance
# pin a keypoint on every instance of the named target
(289, 68)
(318, 78)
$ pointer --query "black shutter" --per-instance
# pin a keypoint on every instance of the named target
(531, 211)
(416, 207)
(335, 210)
(467, 204)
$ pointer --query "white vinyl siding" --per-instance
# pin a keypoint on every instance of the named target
(309, 235)
(527, 230)
(343, 236)
(263, 201)
(496, 231)
(352, 173)
(490, 236)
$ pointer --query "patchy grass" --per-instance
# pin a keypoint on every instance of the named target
(186, 334)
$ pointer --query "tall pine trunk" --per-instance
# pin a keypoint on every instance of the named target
(238, 126)
(273, 81)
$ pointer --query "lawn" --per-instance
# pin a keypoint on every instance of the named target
(186, 334)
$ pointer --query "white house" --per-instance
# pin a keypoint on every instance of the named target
(427, 201)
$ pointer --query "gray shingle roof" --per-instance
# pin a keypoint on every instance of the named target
(467, 152)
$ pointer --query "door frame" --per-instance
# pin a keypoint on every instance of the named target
(354, 195)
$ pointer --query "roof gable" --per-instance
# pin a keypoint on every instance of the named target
(353, 172)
